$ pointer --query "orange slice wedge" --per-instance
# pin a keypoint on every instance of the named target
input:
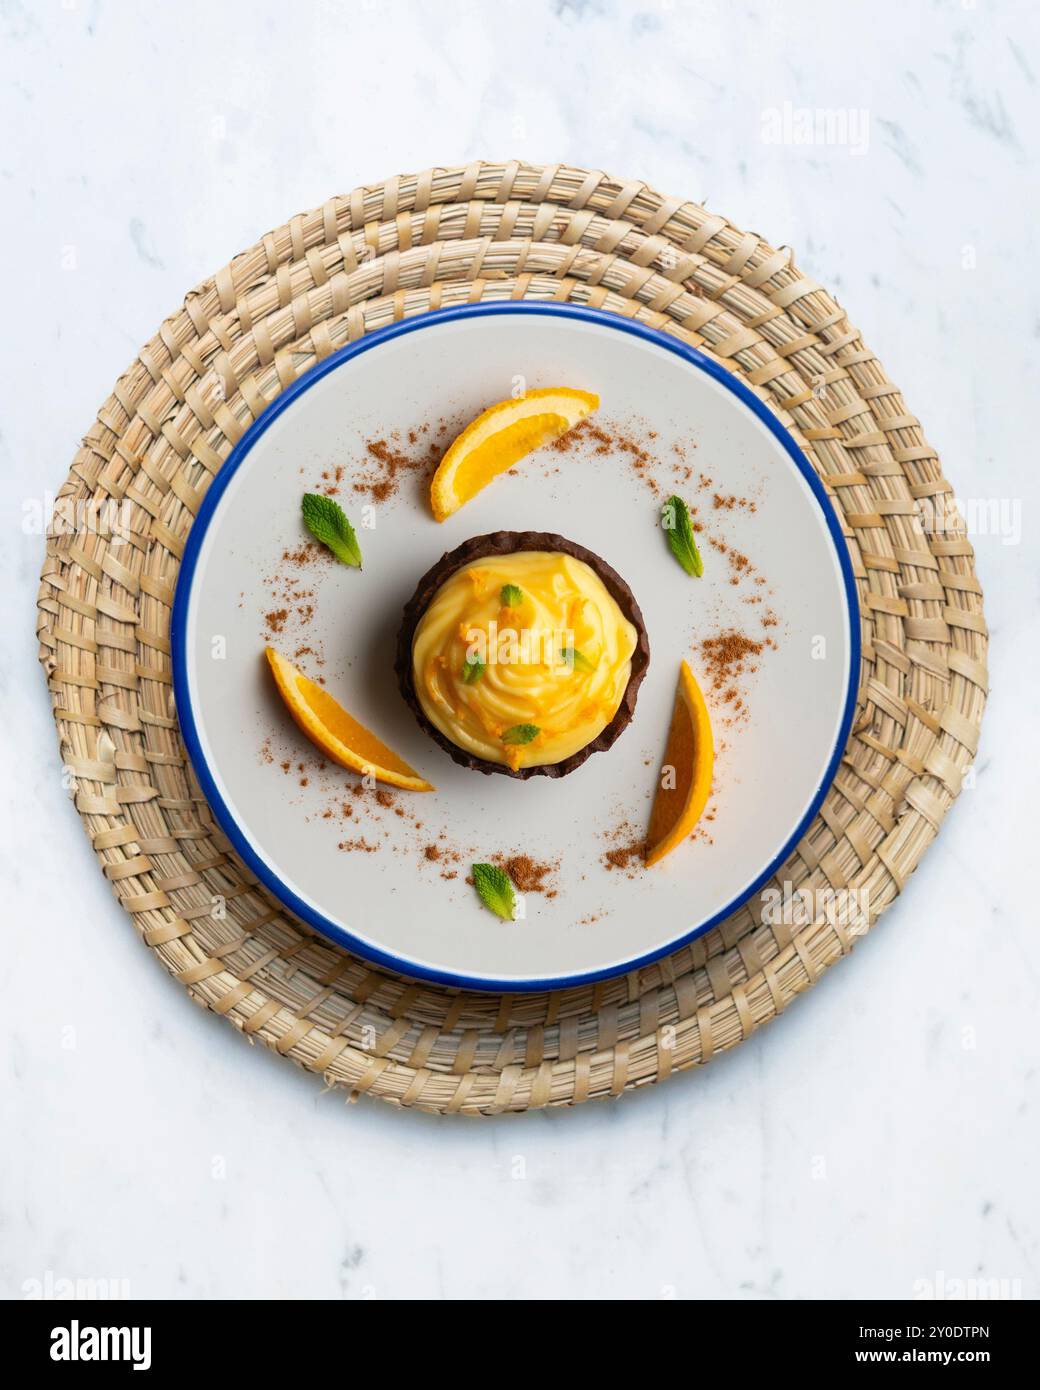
(682, 792)
(338, 734)
(500, 437)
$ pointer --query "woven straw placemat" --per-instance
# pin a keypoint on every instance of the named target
(463, 235)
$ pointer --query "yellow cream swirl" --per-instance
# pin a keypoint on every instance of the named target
(556, 658)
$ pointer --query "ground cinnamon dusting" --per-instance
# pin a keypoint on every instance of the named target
(628, 848)
(615, 440)
(295, 604)
(727, 655)
(622, 857)
(528, 876)
(387, 465)
(330, 481)
(310, 553)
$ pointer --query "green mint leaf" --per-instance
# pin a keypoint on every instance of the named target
(577, 660)
(511, 596)
(521, 733)
(325, 520)
(472, 670)
(675, 518)
(495, 889)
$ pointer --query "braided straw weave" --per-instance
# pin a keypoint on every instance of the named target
(463, 235)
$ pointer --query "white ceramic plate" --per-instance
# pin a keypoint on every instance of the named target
(365, 879)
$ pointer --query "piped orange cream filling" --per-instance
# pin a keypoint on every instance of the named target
(522, 679)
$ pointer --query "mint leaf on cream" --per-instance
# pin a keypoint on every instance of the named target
(495, 889)
(577, 660)
(521, 733)
(327, 522)
(675, 519)
(472, 670)
(511, 596)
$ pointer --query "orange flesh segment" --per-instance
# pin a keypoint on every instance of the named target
(500, 437)
(504, 449)
(336, 733)
(690, 752)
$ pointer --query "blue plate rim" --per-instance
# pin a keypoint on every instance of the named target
(193, 545)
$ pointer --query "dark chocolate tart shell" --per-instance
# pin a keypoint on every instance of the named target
(508, 543)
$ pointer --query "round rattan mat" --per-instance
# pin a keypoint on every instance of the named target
(417, 242)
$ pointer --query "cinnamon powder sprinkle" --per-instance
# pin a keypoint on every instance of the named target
(528, 875)
(630, 444)
(621, 858)
(330, 481)
(388, 465)
(628, 849)
(307, 554)
(294, 602)
(727, 656)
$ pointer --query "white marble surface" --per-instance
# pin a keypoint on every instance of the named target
(885, 1131)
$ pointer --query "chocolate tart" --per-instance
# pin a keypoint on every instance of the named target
(506, 543)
